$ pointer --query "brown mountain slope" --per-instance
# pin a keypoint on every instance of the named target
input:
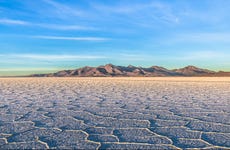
(193, 71)
(111, 70)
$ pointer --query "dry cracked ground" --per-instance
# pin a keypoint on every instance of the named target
(115, 113)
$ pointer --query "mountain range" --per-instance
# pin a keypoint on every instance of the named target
(111, 70)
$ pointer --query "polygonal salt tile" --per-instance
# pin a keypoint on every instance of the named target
(159, 122)
(65, 138)
(177, 132)
(170, 117)
(25, 145)
(124, 123)
(212, 148)
(2, 135)
(16, 127)
(208, 126)
(191, 143)
(88, 118)
(102, 138)
(146, 139)
(136, 135)
(32, 116)
(34, 134)
(64, 123)
(80, 145)
(3, 141)
(106, 112)
(61, 113)
(18, 109)
(138, 116)
(137, 146)
(9, 117)
(219, 139)
(134, 132)
(220, 119)
(99, 130)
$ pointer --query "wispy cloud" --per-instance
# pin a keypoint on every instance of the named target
(142, 13)
(61, 57)
(64, 27)
(209, 37)
(200, 37)
(25, 69)
(71, 38)
(134, 57)
(13, 22)
(48, 26)
(201, 55)
(63, 10)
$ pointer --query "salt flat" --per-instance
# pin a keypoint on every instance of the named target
(115, 113)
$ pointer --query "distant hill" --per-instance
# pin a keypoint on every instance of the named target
(193, 71)
(111, 70)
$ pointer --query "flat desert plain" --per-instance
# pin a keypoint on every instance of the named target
(115, 113)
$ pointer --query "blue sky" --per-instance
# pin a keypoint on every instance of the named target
(50, 35)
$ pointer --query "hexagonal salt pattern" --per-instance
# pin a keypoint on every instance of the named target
(115, 113)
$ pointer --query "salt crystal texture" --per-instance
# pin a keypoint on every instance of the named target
(115, 113)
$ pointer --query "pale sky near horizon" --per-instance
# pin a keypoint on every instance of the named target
(49, 35)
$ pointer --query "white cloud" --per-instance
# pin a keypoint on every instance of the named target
(145, 12)
(13, 22)
(71, 38)
(201, 55)
(201, 37)
(47, 57)
(135, 57)
(25, 69)
(48, 26)
(64, 27)
(62, 10)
